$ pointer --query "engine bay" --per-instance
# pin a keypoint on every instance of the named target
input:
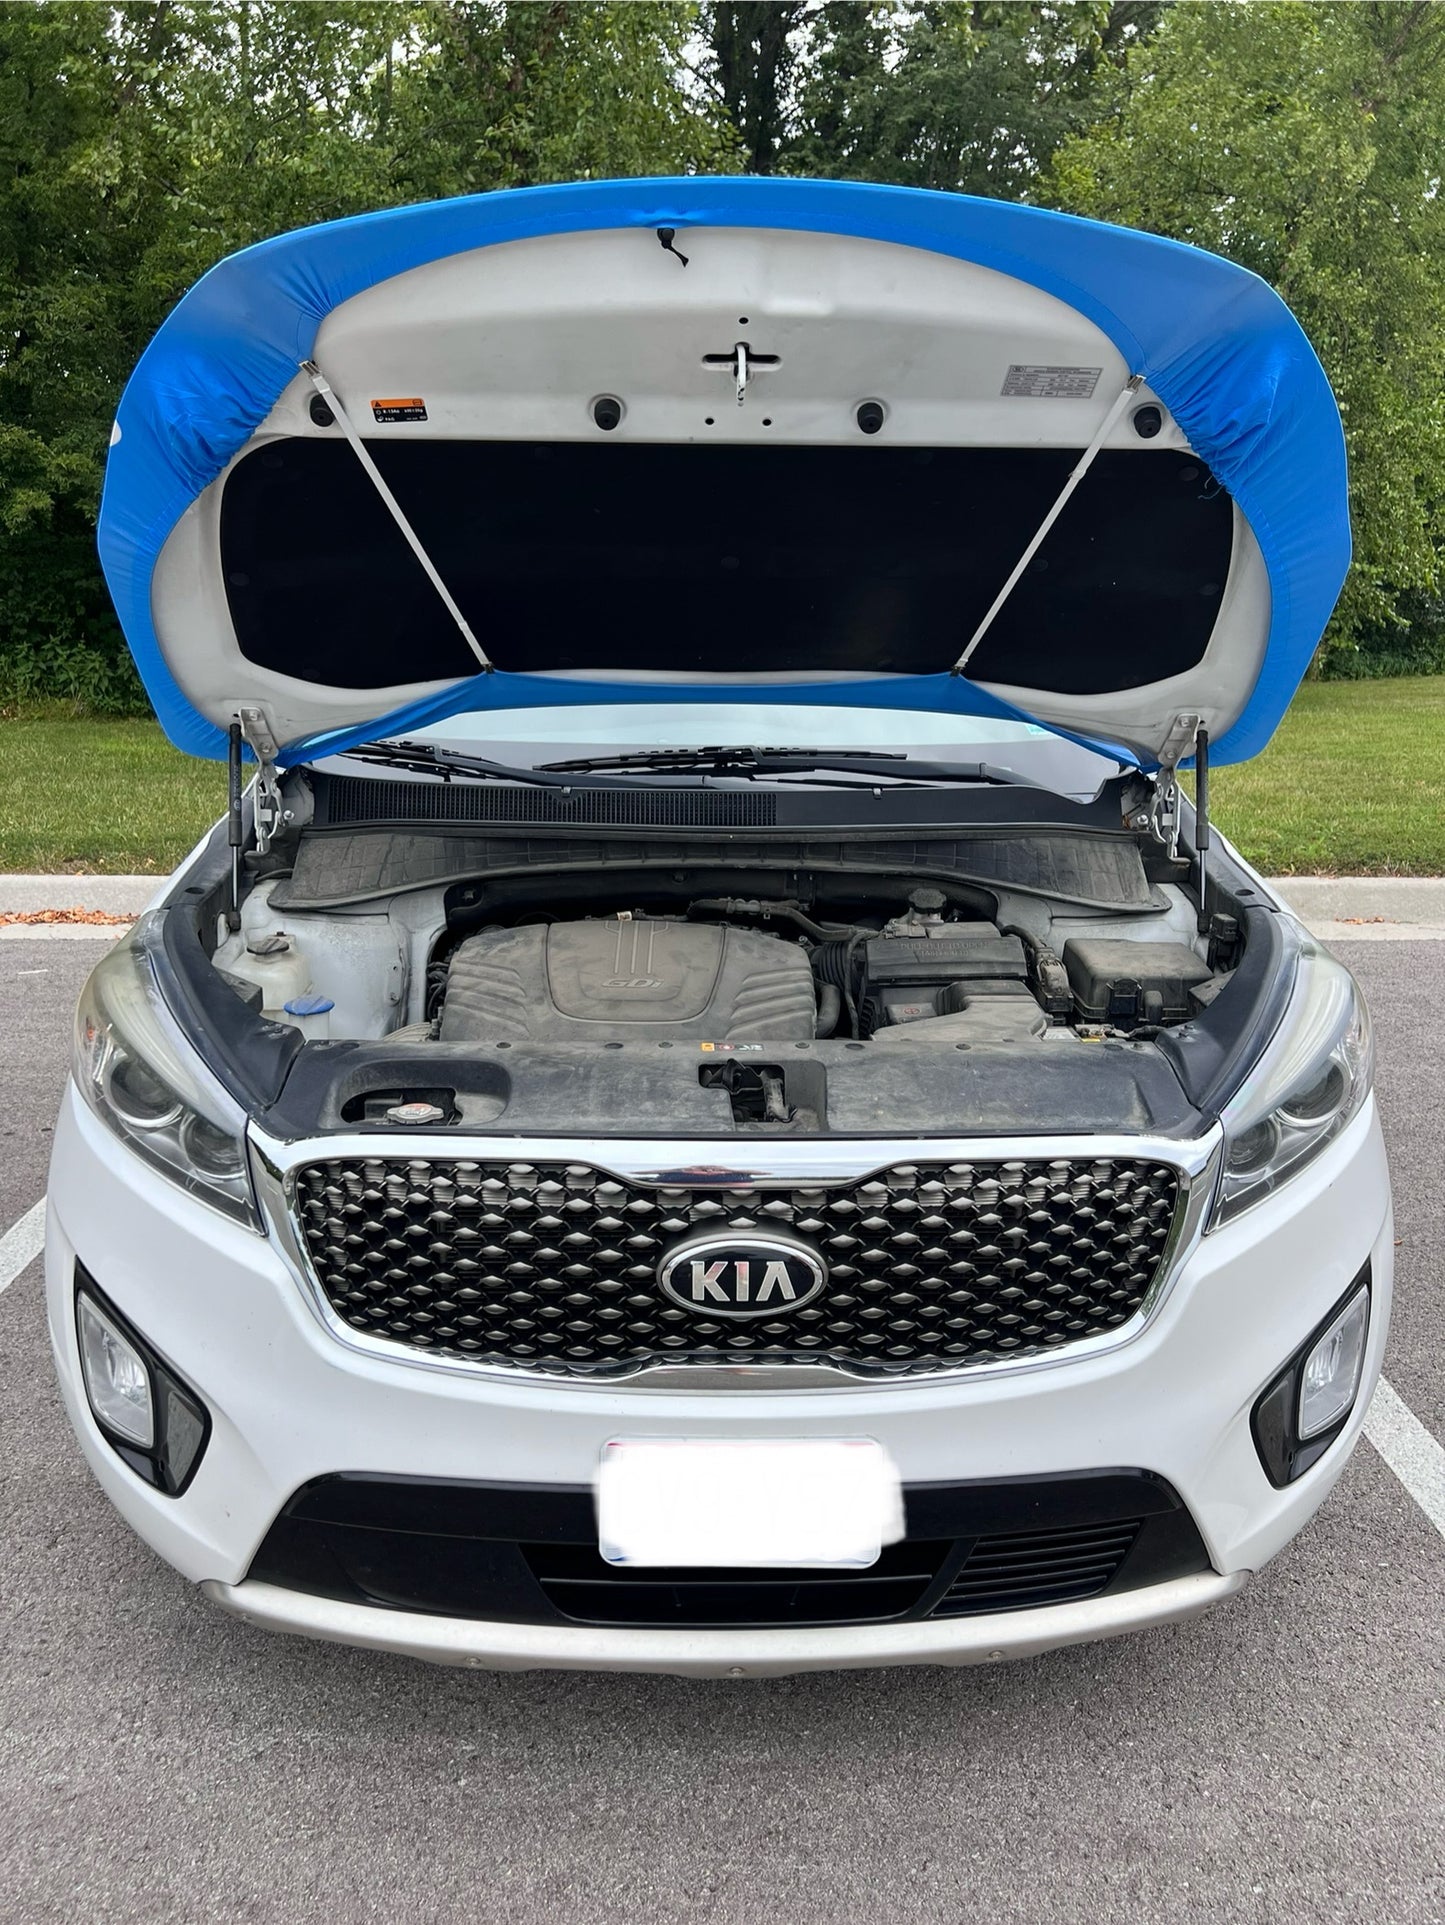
(777, 986)
(738, 972)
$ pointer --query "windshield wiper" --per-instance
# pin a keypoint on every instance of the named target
(715, 760)
(426, 759)
(632, 768)
(896, 766)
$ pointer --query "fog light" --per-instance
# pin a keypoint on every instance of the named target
(1331, 1375)
(116, 1379)
(149, 1417)
(1306, 1406)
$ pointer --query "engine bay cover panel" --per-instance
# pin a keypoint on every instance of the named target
(627, 979)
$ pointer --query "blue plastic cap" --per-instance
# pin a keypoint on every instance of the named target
(308, 1006)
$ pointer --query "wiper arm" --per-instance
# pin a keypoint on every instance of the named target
(896, 767)
(424, 758)
(740, 761)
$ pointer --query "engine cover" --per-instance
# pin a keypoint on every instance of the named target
(628, 981)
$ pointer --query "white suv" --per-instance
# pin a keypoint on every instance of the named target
(713, 1108)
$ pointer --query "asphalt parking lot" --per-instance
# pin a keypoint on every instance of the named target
(1281, 1759)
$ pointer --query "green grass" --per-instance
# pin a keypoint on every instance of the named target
(100, 797)
(1353, 784)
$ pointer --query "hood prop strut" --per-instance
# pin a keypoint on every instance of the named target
(1080, 469)
(233, 822)
(252, 728)
(393, 507)
(1201, 819)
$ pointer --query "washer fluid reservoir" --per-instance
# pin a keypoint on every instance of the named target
(273, 961)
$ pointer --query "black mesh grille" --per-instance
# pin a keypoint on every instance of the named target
(1008, 1571)
(553, 1266)
(578, 1584)
(1017, 1570)
(350, 799)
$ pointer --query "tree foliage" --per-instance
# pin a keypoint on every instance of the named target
(972, 99)
(1306, 142)
(141, 142)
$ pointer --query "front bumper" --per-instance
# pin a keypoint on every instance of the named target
(290, 1404)
(723, 1654)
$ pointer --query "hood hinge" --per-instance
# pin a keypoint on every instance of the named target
(260, 738)
(1181, 742)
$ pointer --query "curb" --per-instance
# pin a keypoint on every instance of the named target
(1367, 908)
(116, 895)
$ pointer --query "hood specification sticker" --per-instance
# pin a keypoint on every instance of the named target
(1052, 384)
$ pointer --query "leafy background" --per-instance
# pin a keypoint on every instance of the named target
(140, 143)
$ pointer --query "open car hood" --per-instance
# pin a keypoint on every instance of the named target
(779, 543)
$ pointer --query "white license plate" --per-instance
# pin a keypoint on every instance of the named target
(756, 1502)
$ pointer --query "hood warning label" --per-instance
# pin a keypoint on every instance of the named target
(1052, 384)
(406, 407)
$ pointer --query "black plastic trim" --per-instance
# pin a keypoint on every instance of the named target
(1214, 1052)
(1114, 1088)
(347, 801)
(337, 868)
(527, 1553)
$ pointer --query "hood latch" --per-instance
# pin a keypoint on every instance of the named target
(742, 364)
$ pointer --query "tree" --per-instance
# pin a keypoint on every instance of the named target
(68, 333)
(514, 95)
(755, 46)
(969, 98)
(141, 143)
(972, 97)
(1304, 142)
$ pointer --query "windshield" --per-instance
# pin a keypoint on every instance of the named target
(529, 737)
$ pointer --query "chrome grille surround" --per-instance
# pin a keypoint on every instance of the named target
(1107, 1222)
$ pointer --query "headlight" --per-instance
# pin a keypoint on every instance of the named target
(144, 1081)
(1310, 1081)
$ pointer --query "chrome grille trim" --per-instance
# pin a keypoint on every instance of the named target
(718, 1167)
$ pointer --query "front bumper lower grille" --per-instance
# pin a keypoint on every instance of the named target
(528, 1554)
(553, 1267)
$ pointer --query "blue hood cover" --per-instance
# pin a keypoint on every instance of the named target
(1212, 342)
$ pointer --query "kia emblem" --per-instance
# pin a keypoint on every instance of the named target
(742, 1274)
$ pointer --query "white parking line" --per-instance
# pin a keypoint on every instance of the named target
(22, 1243)
(1410, 1450)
